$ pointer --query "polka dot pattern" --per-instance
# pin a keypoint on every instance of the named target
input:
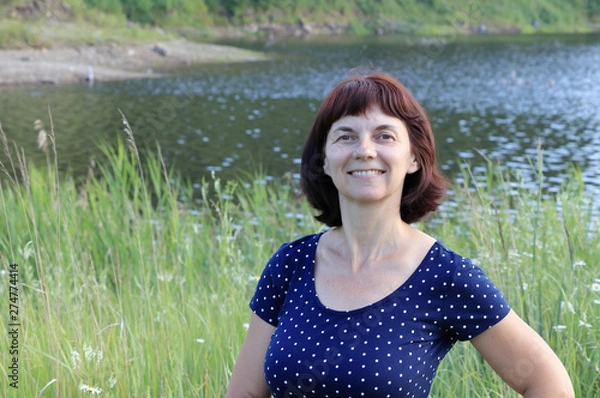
(391, 348)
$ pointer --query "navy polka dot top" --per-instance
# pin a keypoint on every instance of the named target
(391, 348)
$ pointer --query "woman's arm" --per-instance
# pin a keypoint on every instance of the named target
(523, 359)
(248, 378)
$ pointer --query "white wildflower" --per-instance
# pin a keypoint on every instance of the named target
(246, 326)
(569, 306)
(112, 381)
(88, 352)
(27, 251)
(200, 341)
(559, 328)
(99, 356)
(596, 287)
(75, 358)
(90, 389)
(158, 317)
(91, 354)
(514, 254)
(227, 238)
(596, 301)
(164, 277)
(579, 263)
(584, 324)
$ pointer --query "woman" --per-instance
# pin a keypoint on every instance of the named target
(370, 307)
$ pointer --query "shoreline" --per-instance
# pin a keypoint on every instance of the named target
(85, 63)
(82, 64)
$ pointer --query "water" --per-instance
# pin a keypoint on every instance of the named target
(494, 97)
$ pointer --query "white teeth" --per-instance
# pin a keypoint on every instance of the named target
(365, 173)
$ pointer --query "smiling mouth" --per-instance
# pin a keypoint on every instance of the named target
(365, 173)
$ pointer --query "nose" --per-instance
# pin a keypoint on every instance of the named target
(365, 149)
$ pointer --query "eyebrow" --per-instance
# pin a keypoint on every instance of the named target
(343, 129)
(347, 129)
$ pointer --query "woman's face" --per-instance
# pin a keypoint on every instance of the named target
(368, 156)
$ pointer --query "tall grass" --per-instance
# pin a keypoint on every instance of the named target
(136, 282)
(542, 251)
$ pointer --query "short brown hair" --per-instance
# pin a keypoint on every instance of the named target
(423, 190)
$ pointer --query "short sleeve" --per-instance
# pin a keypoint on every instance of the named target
(270, 292)
(472, 303)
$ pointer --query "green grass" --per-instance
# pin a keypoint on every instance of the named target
(95, 29)
(135, 282)
(542, 251)
(84, 22)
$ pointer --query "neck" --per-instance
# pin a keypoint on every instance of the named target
(370, 233)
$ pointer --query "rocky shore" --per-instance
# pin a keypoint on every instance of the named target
(111, 62)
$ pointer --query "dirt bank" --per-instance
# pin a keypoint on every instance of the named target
(110, 62)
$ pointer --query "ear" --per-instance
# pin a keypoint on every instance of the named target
(326, 167)
(414, 166)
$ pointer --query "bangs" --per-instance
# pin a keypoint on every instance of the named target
(355, 98)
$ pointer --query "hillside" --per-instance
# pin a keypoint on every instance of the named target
(51, 23)
(59, 41)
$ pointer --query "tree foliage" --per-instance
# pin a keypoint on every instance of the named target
(434, 13)
(593, 9)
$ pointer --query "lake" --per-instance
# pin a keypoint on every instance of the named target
(494, 97)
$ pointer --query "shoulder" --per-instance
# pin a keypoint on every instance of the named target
(458, 274)
(287, 264)
(446, 261)
(452, 262)
(293, 251)
(470, 301)
(300, 245)
(291, 254)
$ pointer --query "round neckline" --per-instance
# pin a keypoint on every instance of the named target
(378, 303)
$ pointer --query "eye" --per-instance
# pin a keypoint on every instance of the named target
(386, 136)
(344, 137)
